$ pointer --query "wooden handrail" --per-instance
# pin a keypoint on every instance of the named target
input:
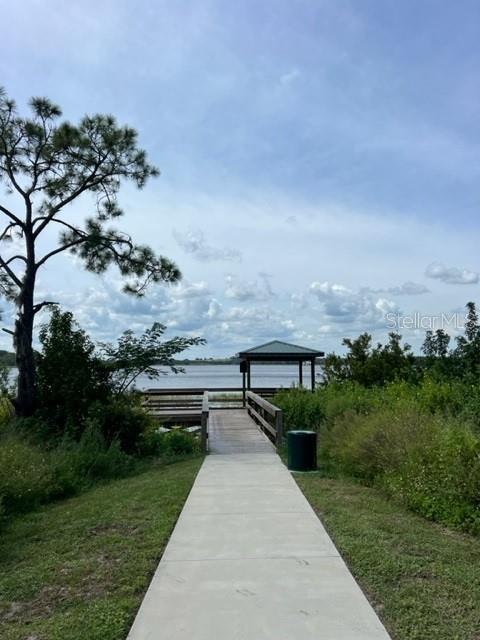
(200, 390)
(204, 422)
(259, 409)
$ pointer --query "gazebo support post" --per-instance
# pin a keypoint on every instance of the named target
(281, 352)
(244, 397)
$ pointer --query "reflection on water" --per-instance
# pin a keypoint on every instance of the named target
(209, 376)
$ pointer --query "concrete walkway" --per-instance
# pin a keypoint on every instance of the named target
(248, 558)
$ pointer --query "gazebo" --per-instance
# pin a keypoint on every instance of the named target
(278, 351)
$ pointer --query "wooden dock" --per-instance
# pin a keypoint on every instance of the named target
(223, 416)
(235, 432)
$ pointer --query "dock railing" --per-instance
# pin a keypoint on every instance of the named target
(267, 416)
(180, 407)
(204, 422)
(174, 400)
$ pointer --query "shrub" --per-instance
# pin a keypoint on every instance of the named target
(7, 412)
(26, 478)
(369, 445)
(429, 461)
(441, 480)
(421, 443)
(301, 408)
(76, 465)
(120, 419)
(177, 442)
(169, 444)
(30, 475)
(70, 376)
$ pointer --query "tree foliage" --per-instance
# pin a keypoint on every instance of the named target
(467, 351)
(371, 365)
(71, 376)
(46, 165)
(82, 386)
(133, 356)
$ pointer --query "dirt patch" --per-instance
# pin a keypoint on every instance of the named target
(48, 598)
(108, 528)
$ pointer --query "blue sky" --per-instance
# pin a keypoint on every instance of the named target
(320, 159)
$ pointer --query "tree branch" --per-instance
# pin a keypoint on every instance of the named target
(10, 225)
(11, 215)
(85, 186)
(46, 303)
(64, 247)
(8, 164)
(57, 221)
(10, 273)
(18, 257)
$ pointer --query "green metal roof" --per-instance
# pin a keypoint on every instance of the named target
(277, 347)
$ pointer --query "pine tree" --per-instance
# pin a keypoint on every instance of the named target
(46, 165)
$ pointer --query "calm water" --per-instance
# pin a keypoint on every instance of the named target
(210, 376)
(228, 375)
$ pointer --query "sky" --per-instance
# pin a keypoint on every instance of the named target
(320, 160)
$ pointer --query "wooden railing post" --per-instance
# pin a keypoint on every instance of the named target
(204, 422)
(267, 416)
(279, 427)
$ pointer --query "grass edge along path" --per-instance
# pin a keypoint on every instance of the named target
(422, 579)
(79, 568)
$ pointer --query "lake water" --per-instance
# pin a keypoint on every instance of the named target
(210, 376)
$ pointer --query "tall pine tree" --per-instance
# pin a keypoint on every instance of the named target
(46, 165)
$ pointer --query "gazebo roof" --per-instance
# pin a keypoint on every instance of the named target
(281, 350)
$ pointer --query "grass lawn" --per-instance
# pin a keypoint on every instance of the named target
(78, 569)
(422, 579)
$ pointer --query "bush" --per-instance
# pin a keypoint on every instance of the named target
(441, 480)
(70, 377)
(170, 444)
(77, 465)
(421, 443)
(120, 419)
(301, 408)
(30, 475)
(429, 461)
(177, 442)
(367, 446)
(26, 478)
(7, 411)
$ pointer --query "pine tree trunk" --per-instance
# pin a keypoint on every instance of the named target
(23, 338)
(25, 400)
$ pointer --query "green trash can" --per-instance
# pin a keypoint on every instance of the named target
(302, 450)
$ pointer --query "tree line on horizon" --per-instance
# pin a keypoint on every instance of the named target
(370, 365)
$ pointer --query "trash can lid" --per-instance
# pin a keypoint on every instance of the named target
(301, 431)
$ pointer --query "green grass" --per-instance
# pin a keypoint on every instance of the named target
(78, 569)
(422, 579)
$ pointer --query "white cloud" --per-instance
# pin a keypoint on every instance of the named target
(237, 289)
(193, 242)
(290, 77)
(185, 289)
(408, 288)
(451, 275)
(343, 305)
